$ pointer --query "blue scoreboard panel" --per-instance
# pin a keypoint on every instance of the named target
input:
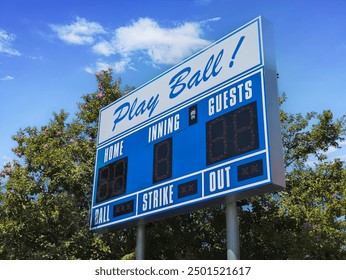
(204, 130)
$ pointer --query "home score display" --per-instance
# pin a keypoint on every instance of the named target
(202, 131)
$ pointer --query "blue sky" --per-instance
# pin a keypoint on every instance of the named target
(50, 50)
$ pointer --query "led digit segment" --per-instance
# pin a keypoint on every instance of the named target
(232, 134)
(123, 208)
(187, 189)
(217, 144)
(250, 170)
(162, 160)
(112, 180)
(245, 129)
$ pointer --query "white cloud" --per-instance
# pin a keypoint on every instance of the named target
(149, 42)
(81, 32)
(333, 149)
(343, 143)
(162, 45)
(38, 58)
(210, 20)
(340, 153)
(118, 66)
(121, 65)
(104, 48)
(7, 78)
(332, 153)
(89, 70)
(146, 41)
(6, 43)
(100, 65)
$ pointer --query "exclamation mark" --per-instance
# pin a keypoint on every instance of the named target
(236, 51)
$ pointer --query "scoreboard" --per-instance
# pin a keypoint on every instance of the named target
(205, 130)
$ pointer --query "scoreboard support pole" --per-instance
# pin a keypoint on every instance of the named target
(232, 227)
(140, 241)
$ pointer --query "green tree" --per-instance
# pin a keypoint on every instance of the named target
(46, 194)
(307, 219)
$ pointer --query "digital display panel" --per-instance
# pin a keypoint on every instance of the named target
(188, 188)
(203, 131)
(162, 160)
(250, 170)
(112, 180)
(232, 134)
(123, 208)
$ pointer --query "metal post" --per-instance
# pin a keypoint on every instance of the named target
(140, 242)
(233, 251)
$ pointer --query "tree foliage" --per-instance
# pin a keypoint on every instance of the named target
(307, 219)
(46, 195)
